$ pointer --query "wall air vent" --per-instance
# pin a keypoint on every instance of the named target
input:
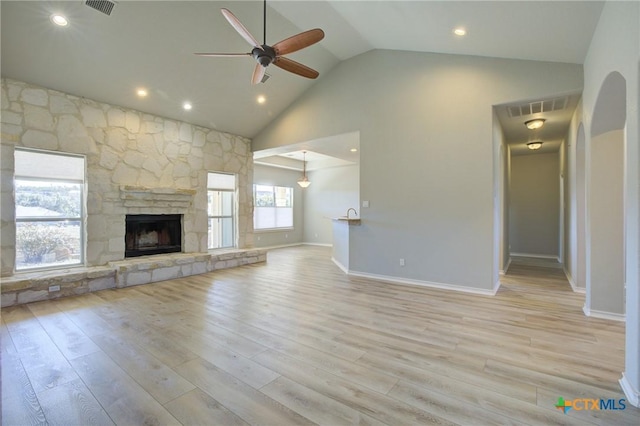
(556, 104)
(104, 6)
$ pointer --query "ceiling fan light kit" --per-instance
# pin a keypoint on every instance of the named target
(266, 55)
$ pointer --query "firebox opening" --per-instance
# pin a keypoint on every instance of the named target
(153, 234)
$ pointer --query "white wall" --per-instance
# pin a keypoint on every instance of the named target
(615, 47)
(331, 193)
(534, 205)
(267, 175)
(426, 151)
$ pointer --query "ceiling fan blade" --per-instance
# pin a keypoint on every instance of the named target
(295, 67)
(237, 25)
(298, 41)
(222, 54)
(258, 74)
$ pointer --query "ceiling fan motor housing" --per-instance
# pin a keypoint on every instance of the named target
(264, 56)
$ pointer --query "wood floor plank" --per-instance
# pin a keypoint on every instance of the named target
(124, 400)
(80, 406)
(315, 406)
(381, 407)
(158, 379)
(20, 405)
(454, 381)
(296, 341)
(240, 367)
(198, 408)
(67, 336)
(247, 403)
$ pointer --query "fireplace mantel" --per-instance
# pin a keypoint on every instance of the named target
(141, 196)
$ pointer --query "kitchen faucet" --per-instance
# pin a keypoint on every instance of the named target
(354, 212)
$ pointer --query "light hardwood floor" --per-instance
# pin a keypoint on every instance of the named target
(295, 341)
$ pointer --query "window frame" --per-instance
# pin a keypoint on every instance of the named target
(234, 210)
(82, 218)
(256, 207)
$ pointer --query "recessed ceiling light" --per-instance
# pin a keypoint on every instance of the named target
(261, 99)
(142, 92)
(187, 106)
(460, 31)
(354, 150)
(58, 19)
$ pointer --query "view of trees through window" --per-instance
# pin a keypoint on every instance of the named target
(49, 213)
(221, 189)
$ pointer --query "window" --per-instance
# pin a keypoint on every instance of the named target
(221, 208)
(49, 191)
(273, 207)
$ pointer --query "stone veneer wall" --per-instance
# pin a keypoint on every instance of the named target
(131, 158)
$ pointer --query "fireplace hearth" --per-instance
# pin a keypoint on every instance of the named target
(148, 234)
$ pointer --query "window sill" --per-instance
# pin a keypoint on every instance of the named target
(271, 230)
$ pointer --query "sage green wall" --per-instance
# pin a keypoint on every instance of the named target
(534, 205)
(606, 217)
(427, 155)
(331, 193)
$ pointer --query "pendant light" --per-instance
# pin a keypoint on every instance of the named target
(303, 181)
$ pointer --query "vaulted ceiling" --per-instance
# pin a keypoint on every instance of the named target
(150, 44)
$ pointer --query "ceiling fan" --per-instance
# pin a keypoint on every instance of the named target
(266, 55)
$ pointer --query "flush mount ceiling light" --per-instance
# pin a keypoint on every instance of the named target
(187, 106)
(141, 92)
(354, 150)
(59, 19)
(536, 123)
(261, 99)
(303, 181)
(534, 145)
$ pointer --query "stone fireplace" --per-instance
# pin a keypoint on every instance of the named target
(136, 164)
(147, 234)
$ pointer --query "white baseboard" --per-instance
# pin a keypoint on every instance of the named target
(538, 256)
(603, 315)
(573, 285)
(407, 281)
(340, 265)
(506, 268)
(280, 246)
(633, 395)
(496, 287)
(318, 244)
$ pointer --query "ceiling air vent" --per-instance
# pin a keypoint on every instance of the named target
(104, 6)
(537, 107)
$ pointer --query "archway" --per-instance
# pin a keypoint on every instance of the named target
(605, 202)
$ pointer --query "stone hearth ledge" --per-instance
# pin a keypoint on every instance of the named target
(34, 286)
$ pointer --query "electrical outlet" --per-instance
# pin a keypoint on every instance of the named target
(54, 288)
(401, 262)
